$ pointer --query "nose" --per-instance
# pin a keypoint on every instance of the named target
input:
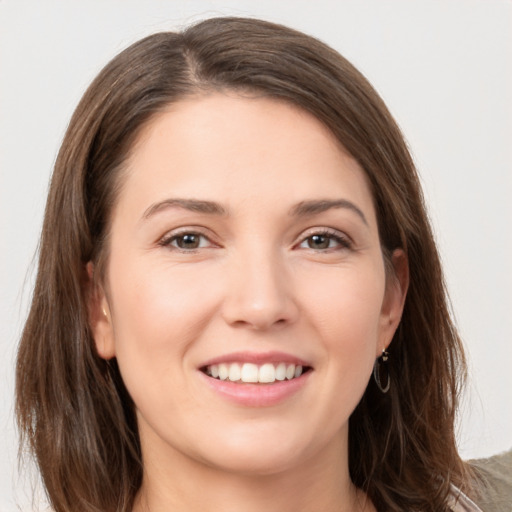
(259, 293)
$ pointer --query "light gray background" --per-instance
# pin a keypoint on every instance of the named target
(443, 67)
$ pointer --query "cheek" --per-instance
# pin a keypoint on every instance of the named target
(157, 300)
(345, 304)
(158, 313)
(341, 314)
(345, 317)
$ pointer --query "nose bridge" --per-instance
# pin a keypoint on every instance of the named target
(259, 295)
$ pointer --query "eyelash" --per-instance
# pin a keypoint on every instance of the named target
(168, 240)
(331, 235)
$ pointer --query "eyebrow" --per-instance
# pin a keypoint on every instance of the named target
(302, 209)
(193, 205)
(305, 208)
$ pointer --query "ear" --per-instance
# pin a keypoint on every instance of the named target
(100, 319)
(397, 283)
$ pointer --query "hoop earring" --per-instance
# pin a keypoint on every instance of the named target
(381, 367)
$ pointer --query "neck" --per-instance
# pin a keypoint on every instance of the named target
(322, 483)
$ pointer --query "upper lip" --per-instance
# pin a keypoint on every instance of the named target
(258, 358)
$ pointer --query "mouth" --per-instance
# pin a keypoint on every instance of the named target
(250, 379)
(251, 373)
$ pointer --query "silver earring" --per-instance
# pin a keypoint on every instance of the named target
(380, 369)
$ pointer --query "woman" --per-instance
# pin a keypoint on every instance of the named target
(238, 291)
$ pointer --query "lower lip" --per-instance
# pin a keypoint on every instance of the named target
(257, 395)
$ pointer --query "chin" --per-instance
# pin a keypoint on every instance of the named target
(260, 454)
(254, 462)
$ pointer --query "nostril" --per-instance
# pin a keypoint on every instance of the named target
(259, 304)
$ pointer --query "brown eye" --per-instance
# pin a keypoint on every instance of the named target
(319, 242)
(326, 241)
(188, 241)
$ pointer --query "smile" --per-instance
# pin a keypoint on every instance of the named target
(266, 373)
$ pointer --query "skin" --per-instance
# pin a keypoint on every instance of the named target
(257, 282)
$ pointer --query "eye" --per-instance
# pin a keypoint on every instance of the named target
(325, 240)
(186, 241)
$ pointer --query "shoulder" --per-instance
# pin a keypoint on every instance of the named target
(494, 482)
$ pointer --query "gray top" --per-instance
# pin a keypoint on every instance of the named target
(461, 503)
(496, 483)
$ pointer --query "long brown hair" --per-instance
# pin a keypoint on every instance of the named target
(72, 407)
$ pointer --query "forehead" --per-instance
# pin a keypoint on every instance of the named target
(227, 147)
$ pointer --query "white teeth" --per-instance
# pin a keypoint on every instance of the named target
(281, 371)
(290, 371)
(223, 371)
(234, 372)
(252, 373)
(267, 373)
(249, 373)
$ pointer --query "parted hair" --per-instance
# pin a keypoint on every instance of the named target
(73, 410)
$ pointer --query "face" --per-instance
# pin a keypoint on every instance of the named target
(245, 294)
